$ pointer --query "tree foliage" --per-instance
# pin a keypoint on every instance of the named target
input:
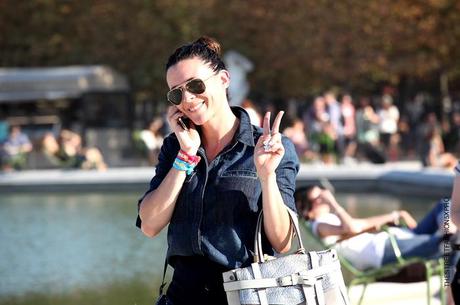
(298, 47)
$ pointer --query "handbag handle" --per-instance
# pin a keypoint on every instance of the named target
(258, 252)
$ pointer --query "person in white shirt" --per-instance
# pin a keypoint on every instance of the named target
(353, 239)
(152, 138)
(388, 125)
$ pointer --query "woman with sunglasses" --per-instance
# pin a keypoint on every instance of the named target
(213, 178)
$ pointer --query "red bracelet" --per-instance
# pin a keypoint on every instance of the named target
(188, 158)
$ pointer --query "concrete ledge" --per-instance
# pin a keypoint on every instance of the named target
(396, 178)
(117, 179)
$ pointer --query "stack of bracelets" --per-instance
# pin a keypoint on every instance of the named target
(185, 162)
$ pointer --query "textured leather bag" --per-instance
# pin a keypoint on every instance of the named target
(312, 278)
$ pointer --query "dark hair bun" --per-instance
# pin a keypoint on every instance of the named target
(210, 43)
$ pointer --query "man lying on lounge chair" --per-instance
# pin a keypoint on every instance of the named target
(366, 249)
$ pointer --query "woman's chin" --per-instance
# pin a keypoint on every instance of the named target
(199, 120)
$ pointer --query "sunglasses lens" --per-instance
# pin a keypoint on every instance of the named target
(196, 86)
(175, 96)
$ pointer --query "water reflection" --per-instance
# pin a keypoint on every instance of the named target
(85, 249)
(59, 244)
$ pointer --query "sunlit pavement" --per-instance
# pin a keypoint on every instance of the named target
(397, 293)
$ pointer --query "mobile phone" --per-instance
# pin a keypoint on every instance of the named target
(184, 122)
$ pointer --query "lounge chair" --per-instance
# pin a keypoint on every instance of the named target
(365, 277)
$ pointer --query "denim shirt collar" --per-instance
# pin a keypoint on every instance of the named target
(245, 131)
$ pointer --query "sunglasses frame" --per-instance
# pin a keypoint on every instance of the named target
(185, 87)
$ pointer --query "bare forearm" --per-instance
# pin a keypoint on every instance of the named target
(157, 207)
(276, 218)
(349, 224)
(377, 221)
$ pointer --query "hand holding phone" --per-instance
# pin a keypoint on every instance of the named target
(184, 122)
(184, 129)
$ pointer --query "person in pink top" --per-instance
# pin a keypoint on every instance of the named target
(349, 125)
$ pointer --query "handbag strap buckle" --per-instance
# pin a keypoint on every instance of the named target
(296, 279)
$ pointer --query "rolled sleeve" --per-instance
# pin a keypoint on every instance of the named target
(168, 153)
(286, 174)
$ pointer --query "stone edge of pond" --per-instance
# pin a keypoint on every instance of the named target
(402, 178)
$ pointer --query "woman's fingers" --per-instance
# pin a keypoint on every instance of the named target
(275, 138)
(173, 115)
(266, 143)
(276, 123)
(275, 148)
(171, 111)
(266, 124)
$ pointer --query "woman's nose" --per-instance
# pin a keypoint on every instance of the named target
(187, 96)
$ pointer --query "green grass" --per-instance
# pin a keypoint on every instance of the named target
(134, 292)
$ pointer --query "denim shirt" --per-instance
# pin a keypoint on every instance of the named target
(217, 208)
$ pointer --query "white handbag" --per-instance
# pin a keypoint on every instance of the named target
(312, 278)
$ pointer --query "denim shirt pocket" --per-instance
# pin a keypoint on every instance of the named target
(240, 185)
(243, 173)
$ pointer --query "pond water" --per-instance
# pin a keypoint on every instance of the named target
(85, 249)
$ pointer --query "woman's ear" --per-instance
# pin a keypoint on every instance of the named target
(224, 76)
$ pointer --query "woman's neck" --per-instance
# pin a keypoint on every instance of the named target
(218, 132)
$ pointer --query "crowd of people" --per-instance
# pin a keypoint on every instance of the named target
(329, 129)
(332, 131)
(66, 150)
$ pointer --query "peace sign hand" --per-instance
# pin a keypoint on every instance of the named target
(269, 149)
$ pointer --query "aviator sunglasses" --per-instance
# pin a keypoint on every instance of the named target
(194, 86)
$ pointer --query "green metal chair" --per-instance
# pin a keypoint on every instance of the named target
(365, 277)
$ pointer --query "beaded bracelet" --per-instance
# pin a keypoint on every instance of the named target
(188, 158)
(183, 166)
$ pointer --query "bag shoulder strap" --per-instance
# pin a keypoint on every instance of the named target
(163, 283)
(258, 252)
